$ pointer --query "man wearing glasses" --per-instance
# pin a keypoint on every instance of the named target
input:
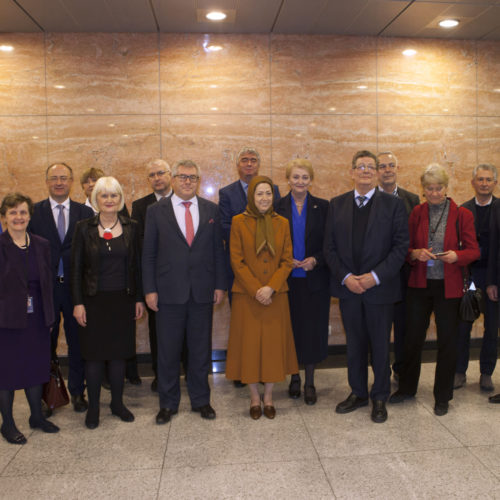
(159, 178)
(388, 169)
(183, 275)
(366, 241)
(233, 201)
(54, 219)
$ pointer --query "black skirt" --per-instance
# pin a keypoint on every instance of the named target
(110, 330)
(310, 314)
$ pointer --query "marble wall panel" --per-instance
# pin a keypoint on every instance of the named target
(119, 145)
(23, 155)
(439, 79)
(488, 147)
(197, 79)
(418, 141)
(102, 73)
(488, 78)
(22, 74)
(328, 141)
(323, 74)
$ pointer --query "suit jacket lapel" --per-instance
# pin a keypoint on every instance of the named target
(372, 218)
(73, 218)
(288, 211)
(242, 194)
(310, 215)
(203, 219)
(49, 219)
(345, 240)
(171, 219)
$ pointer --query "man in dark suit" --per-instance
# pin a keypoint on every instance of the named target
(388, 168)
(366, 241)
(233, 201)
(484, 180)
(159, 177)
(183, 274)
(54, 219)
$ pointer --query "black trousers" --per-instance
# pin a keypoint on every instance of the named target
(420, 303)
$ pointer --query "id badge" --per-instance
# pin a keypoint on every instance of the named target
(30, 304)
(430, 262)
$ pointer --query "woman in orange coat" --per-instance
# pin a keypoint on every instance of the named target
(261, 346)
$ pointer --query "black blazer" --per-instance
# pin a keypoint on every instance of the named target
(13, 284)
(411, 200)
(386, 243)
(317, 210)
(42, 223)
(139, 209)
(85, 259)
(171, 267)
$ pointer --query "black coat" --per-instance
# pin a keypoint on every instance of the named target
(85, 259)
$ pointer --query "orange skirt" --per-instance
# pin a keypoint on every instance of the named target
(261, 346)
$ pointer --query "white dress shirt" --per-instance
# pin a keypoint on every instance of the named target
(55, 212)
(180, 212)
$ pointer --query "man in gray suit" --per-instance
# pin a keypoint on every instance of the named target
(387, 173)
(183, 274)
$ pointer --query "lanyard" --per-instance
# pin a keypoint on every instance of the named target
(433, 231)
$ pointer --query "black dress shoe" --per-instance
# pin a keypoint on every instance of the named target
(399, 397)
(239, 384)
(494, 399)
(135, 380)
(164, 415)
(123, 412)
(440, 409)
(154, 385)
(79, 403)
(205, 411)
(92, 419)
(13, 436)
(310, 395)
(379, 412)
(351, 403)
(43, 425)
(294, 388)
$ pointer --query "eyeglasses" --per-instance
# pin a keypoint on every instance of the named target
(383, 166)
(160, 173)
(364, 167)
(62, 178)
(184, 178)
(253, 161)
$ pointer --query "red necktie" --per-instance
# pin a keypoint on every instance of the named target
(189, 223)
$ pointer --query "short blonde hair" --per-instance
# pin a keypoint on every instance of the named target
(107, 185)
(434, 174)
(299, 163)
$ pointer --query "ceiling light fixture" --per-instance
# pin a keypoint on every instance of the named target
(362, 87)
(409, 52)
(448, 23)
(6, 48)
(59, 86)
(214, 48)
(216, 16)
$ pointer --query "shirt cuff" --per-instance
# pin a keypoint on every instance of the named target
(375, 277)
(345, 277)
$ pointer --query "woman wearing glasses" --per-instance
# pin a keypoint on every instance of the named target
(107, 293)
(435, 284)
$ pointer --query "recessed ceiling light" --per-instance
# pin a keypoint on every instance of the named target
(111, 125)
(216, 16)
(332, 109)
(362, 87)
(409, 52)
(214, 48)
(496, 90)
(34, 137)
(59, 86)
(6, 48)
(448, 23)
(214, 109)
(213, 86)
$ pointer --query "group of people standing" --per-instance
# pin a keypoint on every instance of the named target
(386, 257)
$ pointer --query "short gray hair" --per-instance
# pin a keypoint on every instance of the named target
(159, 163)
(388, 153)
(107, 185)
(245, 150)
(485, 166)
(186, 163)
(434, 174)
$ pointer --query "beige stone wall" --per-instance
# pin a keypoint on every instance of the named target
(116, 101)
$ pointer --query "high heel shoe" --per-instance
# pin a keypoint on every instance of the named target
(44, 425)
(14, 437)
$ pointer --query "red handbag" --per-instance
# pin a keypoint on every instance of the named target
(54, 391)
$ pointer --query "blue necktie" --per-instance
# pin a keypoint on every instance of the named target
(361, 200)
(61, 229)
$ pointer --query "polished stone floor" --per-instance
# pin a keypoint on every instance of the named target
(305, 453)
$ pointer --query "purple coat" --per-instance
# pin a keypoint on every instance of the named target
(13, 284)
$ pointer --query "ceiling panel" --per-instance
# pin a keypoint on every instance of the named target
(13, 19)
(92, 15)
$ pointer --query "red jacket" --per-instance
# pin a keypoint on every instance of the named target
(419, 237)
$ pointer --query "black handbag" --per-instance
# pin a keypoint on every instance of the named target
(471, 305)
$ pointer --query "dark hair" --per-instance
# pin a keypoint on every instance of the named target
(91, 173)
(363, 153)
(59, 163)
(12, 200)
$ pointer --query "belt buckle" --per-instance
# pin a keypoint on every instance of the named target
(60, 279)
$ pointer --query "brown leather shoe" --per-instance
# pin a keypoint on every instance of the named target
(269, 411)
(256, 412)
